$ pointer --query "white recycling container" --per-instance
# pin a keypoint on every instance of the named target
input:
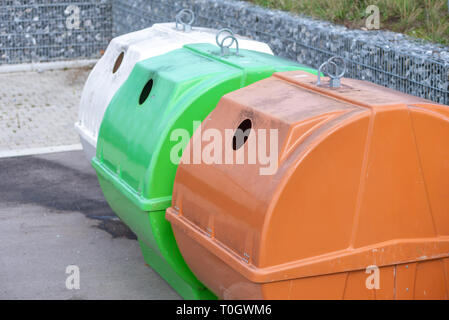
(121, 55)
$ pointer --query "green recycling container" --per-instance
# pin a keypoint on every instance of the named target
(133, 163)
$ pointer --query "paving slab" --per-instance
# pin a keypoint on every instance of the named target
(39, 108)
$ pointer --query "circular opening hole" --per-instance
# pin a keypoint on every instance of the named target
(146, 91)
(118, 62)
(241, 134)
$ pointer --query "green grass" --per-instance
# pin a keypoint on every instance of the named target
(426, 19)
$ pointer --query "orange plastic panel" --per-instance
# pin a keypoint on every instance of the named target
(362, 182)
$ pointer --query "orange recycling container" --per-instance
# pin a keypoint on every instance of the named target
(356, 207)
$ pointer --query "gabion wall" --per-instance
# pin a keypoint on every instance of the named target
(36, 30)
(45, 30)
(390, 59)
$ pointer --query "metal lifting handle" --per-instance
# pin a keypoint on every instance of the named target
(225, 48)
(181, 24)
(334, 77)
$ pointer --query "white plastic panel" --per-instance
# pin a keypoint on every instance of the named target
(102, 83)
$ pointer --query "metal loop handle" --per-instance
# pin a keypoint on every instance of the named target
(225, 49)
(223, 31)
(334, 77)
(185, 26)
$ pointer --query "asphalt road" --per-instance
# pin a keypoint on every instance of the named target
(52, 215)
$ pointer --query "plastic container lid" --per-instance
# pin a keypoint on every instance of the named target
(119, 59)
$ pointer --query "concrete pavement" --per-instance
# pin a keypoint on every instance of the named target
(53, 214)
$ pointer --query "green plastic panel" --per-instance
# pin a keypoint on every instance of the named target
(133, 151)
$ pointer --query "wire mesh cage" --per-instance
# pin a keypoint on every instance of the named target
(385, 58)
(43, 30)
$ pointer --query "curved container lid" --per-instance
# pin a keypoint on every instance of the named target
(136, 140)
(103, 83)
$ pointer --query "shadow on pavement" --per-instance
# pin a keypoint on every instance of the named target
(60, 182)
